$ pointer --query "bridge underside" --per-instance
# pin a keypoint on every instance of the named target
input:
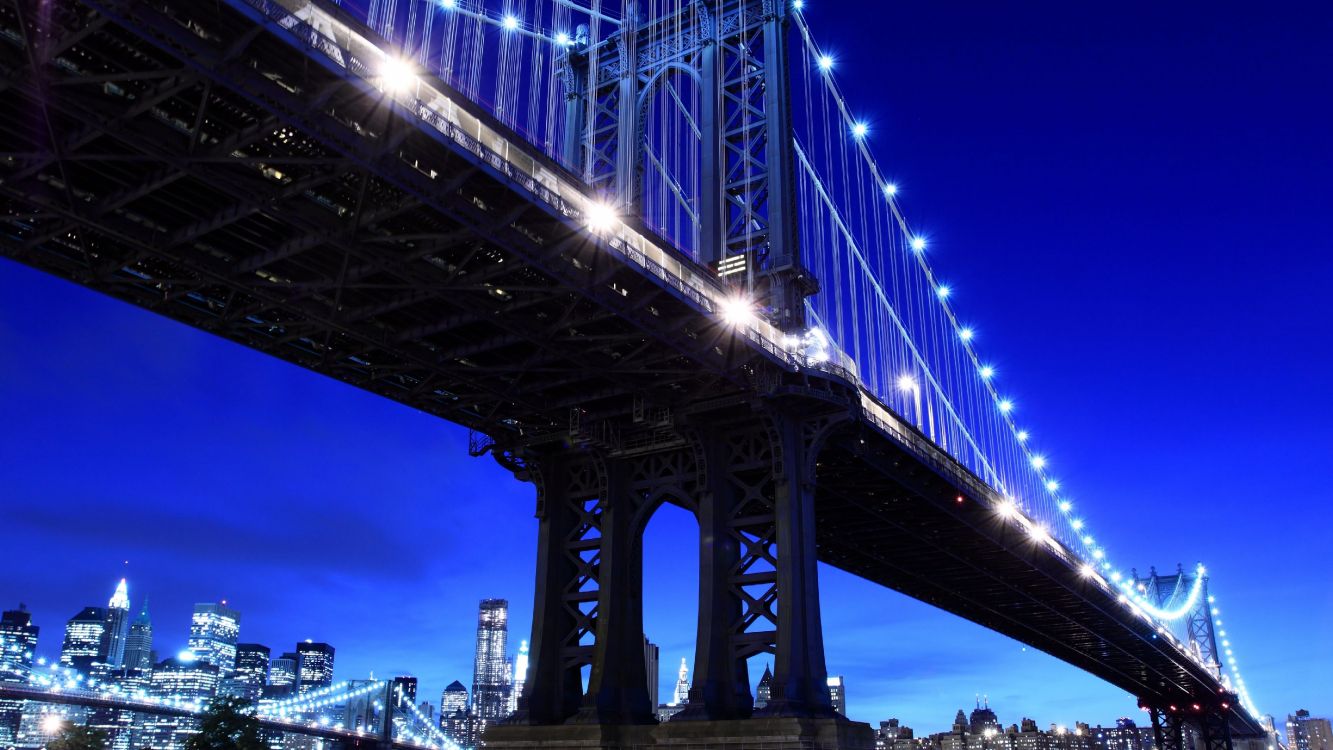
(186, 158)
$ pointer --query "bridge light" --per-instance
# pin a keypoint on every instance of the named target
(1038, 462)
(448, 4)
(738, 311)
(966, 334)
(860, 129)
(1006, 406)
(1053, 485)
(825, 63)
(943, 291)
(1008, 509)
(1099, 554)
(797, 4)
(1038, 533)
(396, 74)
(1022, 436)
(890, 189)
(1088, 571)
(599, 217)
(562, 39)
(918, 244)
(907, 383)
(1077, 523)
(510, 23)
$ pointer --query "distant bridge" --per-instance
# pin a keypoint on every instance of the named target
(350, 738)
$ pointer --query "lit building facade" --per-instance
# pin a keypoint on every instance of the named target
(185, 678)
(490, 687)
(282, 675)
(405, 687)
(18, 643)
(139, 642)
(213, 632)
(1306, 732)
(453, 699)
(314, 666)
(250, 676)
(84, 639)
(455, 722)
(837, 690)
(188, 678)
(682, 694)
(763, 692)
(117, 626)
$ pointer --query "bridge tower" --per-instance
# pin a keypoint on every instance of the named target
(1166, 590)
(1208, 719)
(734, 53)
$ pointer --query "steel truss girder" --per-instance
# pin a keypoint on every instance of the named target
(1165, 590)
(278, 333)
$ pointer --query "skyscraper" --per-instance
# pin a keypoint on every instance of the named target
(520, 676)
(84, 639)
(1306, 732)
(455, 722)
(18, 642)
(213, 631)
(838, 693)
(251, 675)
(406, 686)
(682, 694)
(139, 642)
(314, 666)
(282, 675)
(454, 699)
(117, 626)
(490, 689)
(186, 677)
(650, 656)
(764, 692)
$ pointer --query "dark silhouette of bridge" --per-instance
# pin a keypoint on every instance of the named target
(619, 331)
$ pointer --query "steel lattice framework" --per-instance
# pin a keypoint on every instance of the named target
(216, 163)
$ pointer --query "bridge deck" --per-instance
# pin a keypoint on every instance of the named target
(201, 161)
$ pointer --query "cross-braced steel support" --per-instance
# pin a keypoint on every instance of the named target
(1215, 730)
(736, 53)
(1168, 728)
(749, 484)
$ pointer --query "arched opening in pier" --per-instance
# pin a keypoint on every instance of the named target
(670, 597)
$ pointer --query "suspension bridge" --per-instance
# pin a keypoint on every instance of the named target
(305, 714)
(645, 253)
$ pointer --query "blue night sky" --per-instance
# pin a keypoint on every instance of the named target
(1133, 204)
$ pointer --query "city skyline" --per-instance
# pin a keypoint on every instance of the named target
(326, 513)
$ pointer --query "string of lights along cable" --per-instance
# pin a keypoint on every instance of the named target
(892, 325)
(295, 710)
